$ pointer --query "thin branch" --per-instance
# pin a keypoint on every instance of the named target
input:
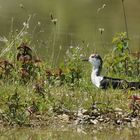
(125, 19)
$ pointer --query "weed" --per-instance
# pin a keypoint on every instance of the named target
(123, 62)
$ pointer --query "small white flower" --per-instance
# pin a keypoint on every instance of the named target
(26, 25)
(101, 30)
(104, 5)
(71, 47)
(39, 23)
(21, 5)
(77, 48)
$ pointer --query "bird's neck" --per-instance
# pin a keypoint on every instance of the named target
(96, 71)
(95, 76)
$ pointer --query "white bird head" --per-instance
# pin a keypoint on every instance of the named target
(95, 60)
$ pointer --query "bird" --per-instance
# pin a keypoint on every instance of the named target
(105, 82)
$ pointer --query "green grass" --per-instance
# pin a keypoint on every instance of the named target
(56, 99)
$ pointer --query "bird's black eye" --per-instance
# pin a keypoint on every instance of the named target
(93, 56)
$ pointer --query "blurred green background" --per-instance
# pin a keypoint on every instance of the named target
(78, 22)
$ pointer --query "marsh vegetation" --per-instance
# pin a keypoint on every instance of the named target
(53, 87)
(35, 92)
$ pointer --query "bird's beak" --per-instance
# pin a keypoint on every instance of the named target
(86, 59)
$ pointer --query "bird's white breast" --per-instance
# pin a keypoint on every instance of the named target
(96, 79)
